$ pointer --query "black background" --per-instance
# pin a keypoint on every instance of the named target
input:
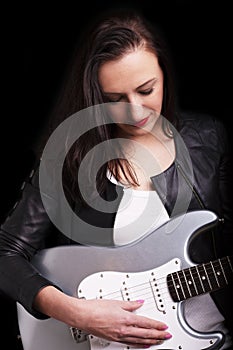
(39, 42)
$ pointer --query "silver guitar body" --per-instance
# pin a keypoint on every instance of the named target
(117, 273)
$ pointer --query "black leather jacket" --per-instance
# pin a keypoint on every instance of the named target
(205, 183)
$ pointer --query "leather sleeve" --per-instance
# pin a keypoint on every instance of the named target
(225, 189)
(24, 232)
(224, 240)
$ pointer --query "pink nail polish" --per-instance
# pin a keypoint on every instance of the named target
(140, 301)
(168, 336)
(164, 327)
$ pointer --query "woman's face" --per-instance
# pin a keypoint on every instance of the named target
(136, 79)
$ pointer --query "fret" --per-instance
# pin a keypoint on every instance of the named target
(172, 288)
(227, 267)
(191, 282)
(197, 280)
(219, 273)
(220, 264)
(203, 278)
(215, 276)
(229, 262)
(187, 284)
(200, 279)
(176, 286)
(208, 278)
(184, 285)
(179, 285)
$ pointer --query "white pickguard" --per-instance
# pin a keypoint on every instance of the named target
(151, 286)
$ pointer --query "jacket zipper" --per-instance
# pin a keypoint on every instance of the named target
(197, 196)
(194, 191)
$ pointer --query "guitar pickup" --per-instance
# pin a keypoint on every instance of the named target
(158, 293)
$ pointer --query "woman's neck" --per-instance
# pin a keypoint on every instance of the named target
(148, 156)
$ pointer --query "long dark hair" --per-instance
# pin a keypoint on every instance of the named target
(111, 36)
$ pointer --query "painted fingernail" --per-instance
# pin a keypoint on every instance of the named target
(168, 336)
(164, 327)
(140, 301)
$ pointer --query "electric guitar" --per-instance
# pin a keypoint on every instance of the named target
(156, 268)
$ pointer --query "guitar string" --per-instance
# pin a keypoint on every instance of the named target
(136, 292)
(161, 286)
(163, 297)
(194, 274)
(163, 293)
(147, 295)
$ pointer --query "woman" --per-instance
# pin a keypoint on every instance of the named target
(124, 66)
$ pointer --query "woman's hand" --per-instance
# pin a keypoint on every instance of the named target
(115, 321)
(112, 320)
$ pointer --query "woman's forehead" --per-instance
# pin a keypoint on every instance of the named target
(133, 69)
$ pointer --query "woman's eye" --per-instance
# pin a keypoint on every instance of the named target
(146, 92)
(115, 99)
(112, 99)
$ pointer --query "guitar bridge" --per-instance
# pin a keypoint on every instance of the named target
(78, 335)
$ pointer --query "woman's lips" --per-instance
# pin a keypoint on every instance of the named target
(142, 122)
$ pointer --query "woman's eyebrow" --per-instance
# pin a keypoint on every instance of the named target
(147, 82)
(139, 87)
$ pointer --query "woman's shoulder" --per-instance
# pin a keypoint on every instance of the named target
(198, 119)
(202, 123)
(204, 128)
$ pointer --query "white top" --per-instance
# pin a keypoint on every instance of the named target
(139, 213)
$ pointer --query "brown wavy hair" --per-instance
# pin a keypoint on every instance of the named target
(109, 37)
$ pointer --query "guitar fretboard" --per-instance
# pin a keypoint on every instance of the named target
(200, 279)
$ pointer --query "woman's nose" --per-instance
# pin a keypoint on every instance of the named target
(134, 99)
(135, 109)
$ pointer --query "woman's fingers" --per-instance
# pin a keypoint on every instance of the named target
(116, 321)
(140, 334)
(142, 321)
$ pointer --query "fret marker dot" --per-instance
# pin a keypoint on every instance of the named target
(218, 273)
(203, 277)
(177, 286)
(189, 282)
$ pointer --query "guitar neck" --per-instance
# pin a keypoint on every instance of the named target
(200, 279)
